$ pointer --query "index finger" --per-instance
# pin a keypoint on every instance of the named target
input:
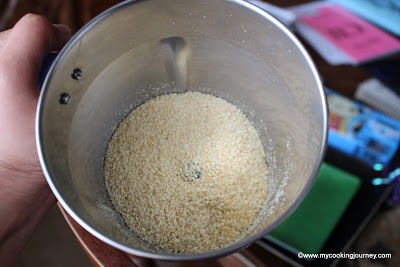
(28, 42)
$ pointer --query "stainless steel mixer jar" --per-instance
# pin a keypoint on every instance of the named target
(140, 49)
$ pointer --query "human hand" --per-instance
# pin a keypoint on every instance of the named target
(24, 195)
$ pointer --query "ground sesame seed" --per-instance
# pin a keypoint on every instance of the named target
(187, 172)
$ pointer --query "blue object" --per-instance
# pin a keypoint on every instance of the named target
(46, 65)
(395, 196)
(387, 180)
(362, 132)
(384, 13)
(392, 177)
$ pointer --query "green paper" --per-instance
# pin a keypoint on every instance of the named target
(310, 225)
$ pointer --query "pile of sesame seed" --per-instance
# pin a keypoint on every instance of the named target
(187, 172)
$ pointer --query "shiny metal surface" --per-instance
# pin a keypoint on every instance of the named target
(140, 49)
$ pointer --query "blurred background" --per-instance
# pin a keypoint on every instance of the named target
(361, 164)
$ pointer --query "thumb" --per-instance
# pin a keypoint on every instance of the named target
(27, 44)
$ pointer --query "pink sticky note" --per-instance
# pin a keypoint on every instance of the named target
(351, 34)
